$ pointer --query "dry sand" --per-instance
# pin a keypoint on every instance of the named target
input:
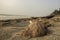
(9, 33)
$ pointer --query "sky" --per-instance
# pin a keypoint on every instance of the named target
(29, 7)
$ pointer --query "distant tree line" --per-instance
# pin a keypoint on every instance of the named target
(54, 13)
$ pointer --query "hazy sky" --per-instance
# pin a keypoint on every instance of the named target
(29, 7)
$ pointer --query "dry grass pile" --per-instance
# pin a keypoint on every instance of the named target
(35, 29)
